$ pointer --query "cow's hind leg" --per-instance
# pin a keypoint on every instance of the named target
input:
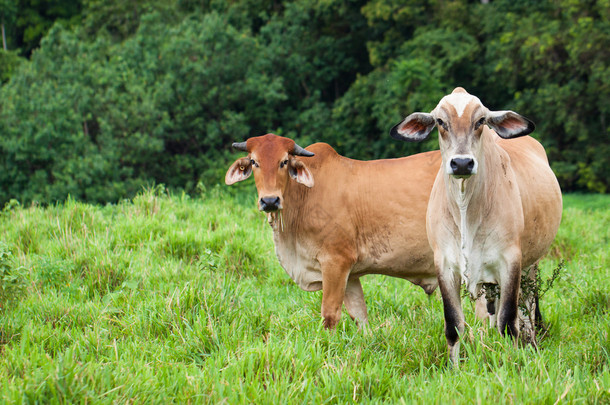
(508, 321)
(533, 274)
(481, 310)
(538, 316)
(529, 310)
(354, 301)
(485, 310)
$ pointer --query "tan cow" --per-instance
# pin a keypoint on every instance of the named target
(494, 209)
(336, 219)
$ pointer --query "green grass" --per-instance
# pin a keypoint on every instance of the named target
(177, 299)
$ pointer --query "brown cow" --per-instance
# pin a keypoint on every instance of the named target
(352, 222)
(494, 210)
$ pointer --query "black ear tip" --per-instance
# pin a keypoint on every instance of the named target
(531, 127)
(395, 134)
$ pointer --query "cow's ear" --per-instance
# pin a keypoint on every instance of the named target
(300, 173)
(416, 127)
(509, 124)
(240, 170)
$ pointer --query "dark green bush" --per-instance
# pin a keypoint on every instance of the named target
(156, 93)
(13, 278)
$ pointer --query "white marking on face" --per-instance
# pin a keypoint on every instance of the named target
(459, 101)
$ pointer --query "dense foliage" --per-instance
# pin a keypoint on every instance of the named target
(122, 94)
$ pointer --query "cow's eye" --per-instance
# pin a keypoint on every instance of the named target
(253, 163)
(479, 123)
(284, 163)
(441, 123)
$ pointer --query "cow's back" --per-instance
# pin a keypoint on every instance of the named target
(540, 195)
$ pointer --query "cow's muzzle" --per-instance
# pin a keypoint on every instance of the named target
(270, 204)
(463, 166)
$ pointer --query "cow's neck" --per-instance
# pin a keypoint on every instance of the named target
(461, 194)
(285, 221)
(276, 220)
(464, 195)
(469, 201)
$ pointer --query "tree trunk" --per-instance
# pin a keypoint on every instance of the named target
(3, 36)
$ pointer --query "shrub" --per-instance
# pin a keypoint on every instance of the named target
(13, 278)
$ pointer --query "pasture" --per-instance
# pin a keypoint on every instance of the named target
(171, 298)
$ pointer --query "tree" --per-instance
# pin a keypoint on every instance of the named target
(122, 94)
(549, 60)
(34, 18)
(8, 11)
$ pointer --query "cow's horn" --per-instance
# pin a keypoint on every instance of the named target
(240, 146)
(298, 151)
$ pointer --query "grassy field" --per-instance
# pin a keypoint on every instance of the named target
(177, 299)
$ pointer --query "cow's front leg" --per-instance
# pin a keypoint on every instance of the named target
(450, 283)
(354, 301)
(334, 281)
(508, 321)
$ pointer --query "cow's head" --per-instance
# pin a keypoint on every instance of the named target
(272, 159)
(460, 118)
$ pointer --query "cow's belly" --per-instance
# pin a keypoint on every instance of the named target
(418, 268)
(299, 261)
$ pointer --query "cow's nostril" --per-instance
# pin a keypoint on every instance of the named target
(462, 166)
(270, 203)
(454, 165)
